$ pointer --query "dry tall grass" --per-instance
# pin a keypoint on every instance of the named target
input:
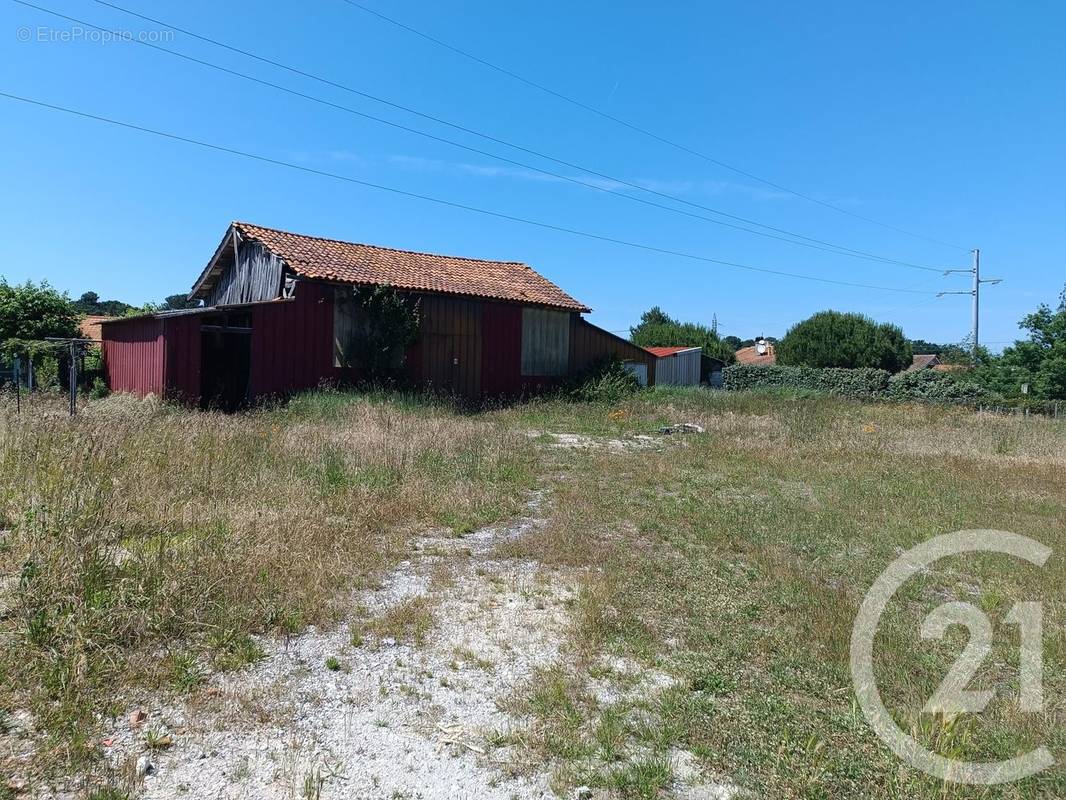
(144, 541)
(140, 537)
(737, 561)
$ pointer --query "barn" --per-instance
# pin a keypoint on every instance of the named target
(278, 316)
(677, 366)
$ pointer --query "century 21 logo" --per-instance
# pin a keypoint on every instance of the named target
(952, 697)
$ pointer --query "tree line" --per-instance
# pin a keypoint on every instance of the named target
(35, 311)
(1033, 367)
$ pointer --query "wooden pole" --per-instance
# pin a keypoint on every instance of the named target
(72, 376)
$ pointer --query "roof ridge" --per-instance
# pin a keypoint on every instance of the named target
(380, 246)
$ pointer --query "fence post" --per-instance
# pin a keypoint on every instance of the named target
(18, 384)
(72, 376)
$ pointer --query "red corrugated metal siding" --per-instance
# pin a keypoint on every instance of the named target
(182, 367)
(292, 342)
(134, 356)
(501, 349)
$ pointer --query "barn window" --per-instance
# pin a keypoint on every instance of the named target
(545, 342)
(362, 339)
(346, 328)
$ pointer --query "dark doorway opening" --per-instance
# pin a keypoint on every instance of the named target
(226, 365)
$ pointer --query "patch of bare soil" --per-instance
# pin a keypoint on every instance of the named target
(580, 441)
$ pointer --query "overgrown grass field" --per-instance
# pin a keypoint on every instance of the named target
(144, 545)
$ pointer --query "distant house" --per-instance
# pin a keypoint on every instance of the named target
(759, 354)
(677, 366)
(923, 361)
(91, 327)
(279, 316)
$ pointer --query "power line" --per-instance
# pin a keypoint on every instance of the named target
(449, 203)
(830, 248)
(833, 248)
(643, 131)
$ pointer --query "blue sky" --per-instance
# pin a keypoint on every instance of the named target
(945, 119)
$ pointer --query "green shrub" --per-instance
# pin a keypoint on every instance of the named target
(850, 341)
(930, 386)
(605, 381)
(99, 389)
(861, 383)
(46, 373)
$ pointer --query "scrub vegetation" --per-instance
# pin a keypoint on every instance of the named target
(145, 547)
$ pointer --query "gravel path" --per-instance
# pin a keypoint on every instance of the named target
(396, 719)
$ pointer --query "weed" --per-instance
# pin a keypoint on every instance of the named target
(106, 793)
(185, 672)
(157, 740)
(704, 558)
(642, 779)
(234, 650)
(355, 636)
(409, 620)
(312, 786)
(610, 734)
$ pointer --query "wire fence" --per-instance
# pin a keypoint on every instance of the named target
(21, 374)
(1055, 409)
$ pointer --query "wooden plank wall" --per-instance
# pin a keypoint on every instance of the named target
(589, 344)
(545, 342)
(255, 276)
(679, 369)
(501, 349)
(449, 353)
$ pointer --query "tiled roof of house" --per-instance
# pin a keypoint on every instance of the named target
(923, 361)
(750, 355)
(667, 351)
(90, 327)
(348, 262)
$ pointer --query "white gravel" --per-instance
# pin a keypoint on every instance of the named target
(397, 720)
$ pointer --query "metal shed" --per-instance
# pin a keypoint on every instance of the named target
(677, 366)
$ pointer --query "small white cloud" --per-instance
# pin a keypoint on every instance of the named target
(676, 186)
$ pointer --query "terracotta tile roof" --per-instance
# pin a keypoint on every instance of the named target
(660, 352)
(749, 355)
(348, 262)
(923, 361)
(90, 327)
